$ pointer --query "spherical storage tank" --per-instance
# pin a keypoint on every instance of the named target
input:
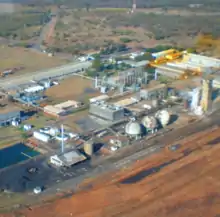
(163, 117)
(150, 123)
(133, 128)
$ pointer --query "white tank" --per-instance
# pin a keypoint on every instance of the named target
(41, 136)
(65, 137)
(155, 103)
(54, 131)
(163, 117)
(45, 130)
(133, 128)
(150, 123)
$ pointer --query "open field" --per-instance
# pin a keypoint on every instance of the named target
(181, 183)
(22, 23)
(74, 88)
(9, 136)
(31, 61)
(80, 30)
(40, 120)
(204, 4)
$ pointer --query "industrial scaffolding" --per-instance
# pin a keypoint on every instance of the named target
(133, 76)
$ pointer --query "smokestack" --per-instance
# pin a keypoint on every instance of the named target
(62, 143)
(96, 82)
(134, 6)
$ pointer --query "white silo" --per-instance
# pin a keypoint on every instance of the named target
(155, 103)
(195, 98)
(163, 117)
(150, 123)
(133, 129)
(88, 148)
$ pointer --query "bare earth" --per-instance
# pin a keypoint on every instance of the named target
(72, 88)
(188, 187)
(30, 60)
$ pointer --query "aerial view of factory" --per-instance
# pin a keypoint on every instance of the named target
(106, 116)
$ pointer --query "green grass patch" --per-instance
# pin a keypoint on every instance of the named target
(9, 135)
(123, 32)
(8, 200)
(40, 121)
(111, 9)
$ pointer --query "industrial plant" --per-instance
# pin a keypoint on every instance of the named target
(119, 114)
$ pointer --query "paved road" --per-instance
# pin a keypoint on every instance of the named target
(43, 34)
(21, 79)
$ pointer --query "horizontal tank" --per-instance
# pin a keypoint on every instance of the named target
(155, 103)
(163, 117)
(41, 136)
(64, 138)
(45, 130)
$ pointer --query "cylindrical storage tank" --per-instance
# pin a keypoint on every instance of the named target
(155, 103)
(185, 104)
(60, 138)
(88, 148)
(27, 127)
(133, 129)
(14, 123)
(54, 131)
(163, 117)
(45, 130)
(47, 84)
(41, 136)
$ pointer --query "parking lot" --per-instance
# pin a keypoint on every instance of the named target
(19, 178)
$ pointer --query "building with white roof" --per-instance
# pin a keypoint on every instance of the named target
(67, 159)
(62, 108)
(34, 89)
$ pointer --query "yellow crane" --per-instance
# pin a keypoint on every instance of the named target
(178, 56)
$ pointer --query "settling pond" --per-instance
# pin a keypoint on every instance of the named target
(15, 154)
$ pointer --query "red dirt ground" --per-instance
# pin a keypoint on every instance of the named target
(72, 88)
(187, 188)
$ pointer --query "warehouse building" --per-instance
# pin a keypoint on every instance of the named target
(157, 92)
(67, 159)
(106, 111)
(62, 108)
(8, 113)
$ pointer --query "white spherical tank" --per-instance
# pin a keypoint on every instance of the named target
(133, 128)
(150, 123)
(163, 116)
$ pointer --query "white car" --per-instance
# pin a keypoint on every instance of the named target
(37, 190)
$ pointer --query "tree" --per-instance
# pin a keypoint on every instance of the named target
(146, 56)
(96, 64)
(191, 50)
